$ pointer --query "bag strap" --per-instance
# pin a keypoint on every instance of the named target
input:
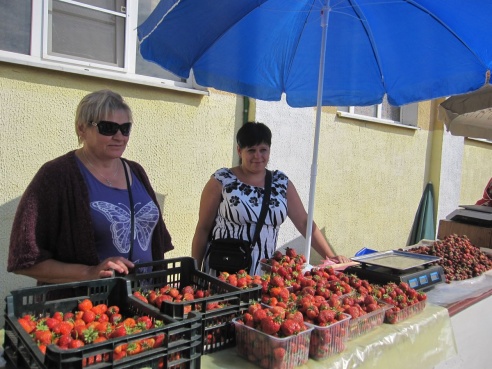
(132, 211)
(264, 208)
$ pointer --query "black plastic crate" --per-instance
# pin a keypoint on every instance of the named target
(218, 330)
(181, 348)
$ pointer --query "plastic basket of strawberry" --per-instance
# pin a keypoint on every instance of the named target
(330, 334)
(406, 301)
(175, 287)
(75, 325)
(270, 338)
(366, 313)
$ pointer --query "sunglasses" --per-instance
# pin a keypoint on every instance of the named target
(107, 128)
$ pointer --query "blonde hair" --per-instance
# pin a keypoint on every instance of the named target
(97, 106)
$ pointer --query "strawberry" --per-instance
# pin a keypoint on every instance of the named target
(141, 297)
(88, 316)
(259, 314)
(353, 311)
(270, 325)
(27, 325)
(64, 341)
(43, 337)
(147, 343)
(129, 322)
(159, 340)
(63, 328)
(187, 289)
(290, 327)
(119, 351)
(279, 354)
(326, 316)
(113, 310)
(199, 294)
(144, 322)
(369, 300)
(134, 348)
(277, 281)
(173, 292)
(85, 305)
(115, 318)
(104, 329)
(42, 348)
(253, 307)
(295, 315)
(58, 315)
(119, 332)
(277, 255)
(292, 253)
(312, 312)
(99, 339)
(248, 320)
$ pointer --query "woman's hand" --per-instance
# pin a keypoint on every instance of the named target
(112, 265)
(340, 259)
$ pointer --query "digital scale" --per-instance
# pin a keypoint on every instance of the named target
(420, 271)
(472, 214)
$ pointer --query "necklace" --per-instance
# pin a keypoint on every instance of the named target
(108, 182)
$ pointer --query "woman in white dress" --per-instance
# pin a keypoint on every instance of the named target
(231, 202)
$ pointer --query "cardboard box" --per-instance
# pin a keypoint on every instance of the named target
(479, 236)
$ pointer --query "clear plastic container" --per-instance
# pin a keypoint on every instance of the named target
(329, 340)
(368, 322)
(271, 352)
(393, 317)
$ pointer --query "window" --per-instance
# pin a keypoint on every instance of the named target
(92, 37)
(383, 113)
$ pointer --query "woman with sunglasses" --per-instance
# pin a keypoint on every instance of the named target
(74, 220)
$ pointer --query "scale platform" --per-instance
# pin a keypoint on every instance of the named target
(472, 214)
(419, 271)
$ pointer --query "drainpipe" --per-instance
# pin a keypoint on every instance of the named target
(245, 109)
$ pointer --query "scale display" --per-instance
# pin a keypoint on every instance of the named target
(399, 266)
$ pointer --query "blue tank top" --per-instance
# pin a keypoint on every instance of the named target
(111, 219)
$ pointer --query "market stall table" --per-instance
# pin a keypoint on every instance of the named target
(424, 340)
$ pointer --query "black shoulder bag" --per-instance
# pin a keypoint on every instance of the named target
(230, 254)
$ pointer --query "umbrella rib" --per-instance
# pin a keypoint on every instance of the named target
(160, 21)
(450, 30)
(363, 19)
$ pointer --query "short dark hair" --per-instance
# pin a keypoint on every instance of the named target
(253, 133)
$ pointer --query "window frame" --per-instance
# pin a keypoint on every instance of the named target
(40, 58)
(408, 116)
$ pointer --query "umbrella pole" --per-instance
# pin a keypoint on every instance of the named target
(314, 165)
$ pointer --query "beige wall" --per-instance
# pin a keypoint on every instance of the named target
(477, 170)
(370, 176)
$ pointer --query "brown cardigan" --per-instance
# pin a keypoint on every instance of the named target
(53, 218)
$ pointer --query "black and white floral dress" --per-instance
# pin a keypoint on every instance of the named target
(239, 211)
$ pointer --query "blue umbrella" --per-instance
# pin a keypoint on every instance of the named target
(324, 52)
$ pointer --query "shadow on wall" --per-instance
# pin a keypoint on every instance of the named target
(9, 281)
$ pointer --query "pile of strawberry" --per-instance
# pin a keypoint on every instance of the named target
(241, 279)
(460, 259)
(90, 324)
(288, 266)
(278, 323)
(406, 301)
(167, 293)
(274, 320)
